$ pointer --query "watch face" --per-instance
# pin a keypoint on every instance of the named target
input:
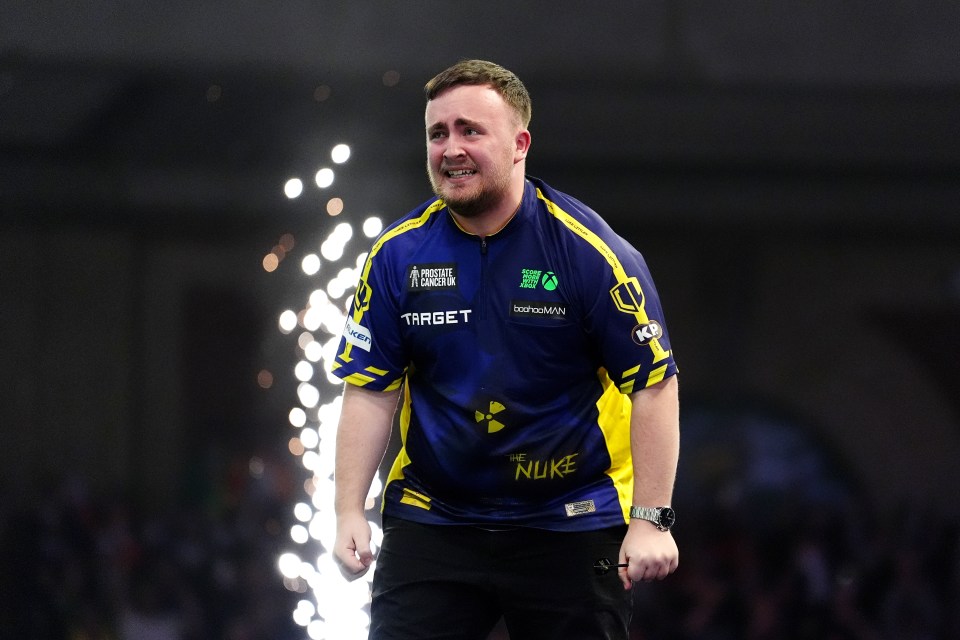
(667, 517)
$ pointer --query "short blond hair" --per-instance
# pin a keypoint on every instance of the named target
(482, 72)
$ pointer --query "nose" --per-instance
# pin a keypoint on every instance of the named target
(453, 148)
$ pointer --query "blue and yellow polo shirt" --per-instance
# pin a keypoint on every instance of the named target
(515, 353)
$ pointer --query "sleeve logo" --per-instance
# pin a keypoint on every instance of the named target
(627, 296)
(357, 335)
(643, 333)
(361, 299)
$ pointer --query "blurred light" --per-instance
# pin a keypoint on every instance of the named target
(335, 608)
(303, 371)
(289, 565)
(343, 231)
(310, 264)
(297, 417)
(265, 379)
(293, 188)
(298, 533)
(324, 178)
(311, 460)
(295, 446)
(256, 467)
(303, 613)
(372, 226)
(321, 93)
(317, 630)
(313, 351)
(312, 319)
(304, 339)
(336, 289)
(302, 512)
(318, 298)
(335, 206)
(332, 320)
(340, 153)
(310, 438)
(391, 78)
(331, 250)
(347, 276)
(288, 321)
(308, 394)
(270, 262)
(287, 242)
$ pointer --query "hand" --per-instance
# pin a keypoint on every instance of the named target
(651, 554)
(351, 550)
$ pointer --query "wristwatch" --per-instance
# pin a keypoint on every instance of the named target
(662, 517)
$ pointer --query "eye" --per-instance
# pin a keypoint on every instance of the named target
(470, 131)
(435, 134)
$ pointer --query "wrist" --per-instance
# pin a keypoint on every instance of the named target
(663, 518)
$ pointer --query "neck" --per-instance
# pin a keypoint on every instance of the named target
(495, 218)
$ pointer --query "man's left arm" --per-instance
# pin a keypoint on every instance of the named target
(655, 445)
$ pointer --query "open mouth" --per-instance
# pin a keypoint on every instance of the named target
(460, 173)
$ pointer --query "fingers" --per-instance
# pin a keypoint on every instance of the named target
(353, 555)
(352, 569)
(646, 569)
(352, 564)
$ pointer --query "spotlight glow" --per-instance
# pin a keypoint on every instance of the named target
(310, 264)
(297, 417)
(335, 608)
(340, 153)
(372, 227)
(293, 188)
(309, 395)
(324, 178)
(303, 371)
(288, 321)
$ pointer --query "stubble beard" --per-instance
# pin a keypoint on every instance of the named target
(475, 202)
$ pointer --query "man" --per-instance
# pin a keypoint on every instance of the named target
(539, 412)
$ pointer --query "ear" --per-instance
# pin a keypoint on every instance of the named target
(522, 142)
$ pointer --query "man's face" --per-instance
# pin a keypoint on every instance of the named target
(472, 148)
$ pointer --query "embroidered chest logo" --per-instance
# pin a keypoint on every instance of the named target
(434, 276)
(533, 278)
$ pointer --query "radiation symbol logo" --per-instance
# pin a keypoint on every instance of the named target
(492, 425)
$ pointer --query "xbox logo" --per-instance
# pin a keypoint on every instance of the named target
(549, 281)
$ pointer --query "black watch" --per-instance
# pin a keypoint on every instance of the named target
(662, 517)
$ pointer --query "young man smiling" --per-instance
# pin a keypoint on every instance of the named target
(539, 416)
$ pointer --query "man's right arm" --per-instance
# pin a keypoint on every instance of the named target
(366, 418)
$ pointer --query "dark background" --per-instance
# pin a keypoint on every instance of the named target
(791, 171)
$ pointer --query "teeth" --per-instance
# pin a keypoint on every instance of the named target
(460, 172)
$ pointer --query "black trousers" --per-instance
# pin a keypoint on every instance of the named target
(455, 582)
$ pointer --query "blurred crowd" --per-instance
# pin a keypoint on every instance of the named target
(82, 566)
(816, 573)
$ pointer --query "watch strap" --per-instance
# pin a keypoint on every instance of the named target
(654, 515)
(645, 513)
